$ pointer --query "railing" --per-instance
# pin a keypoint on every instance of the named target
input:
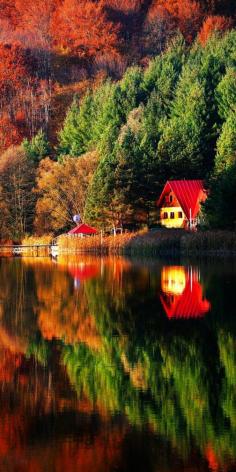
(36, 249)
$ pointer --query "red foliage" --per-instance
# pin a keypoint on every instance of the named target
(126, 6)
(8, 11)
(13, 69)
(35, 20)
(185, 15)
(111, 33)
(213, 24)
(89, 33)
(9, 363)
(10, 133)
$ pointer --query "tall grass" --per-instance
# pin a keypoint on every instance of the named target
(159, 242)
(36, 244)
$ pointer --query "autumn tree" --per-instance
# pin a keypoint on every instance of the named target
(16, 198)
(34, 26)
(62, 190)
(185, 15)
(14, 70)
(158, 29)
(82, 28)
(213, 24)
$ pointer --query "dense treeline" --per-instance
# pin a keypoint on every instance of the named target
(175, 119)
(169, 116)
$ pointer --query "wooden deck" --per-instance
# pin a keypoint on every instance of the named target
(36, 250)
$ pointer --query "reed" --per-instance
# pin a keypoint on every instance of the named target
(159, 242)
(34, 243)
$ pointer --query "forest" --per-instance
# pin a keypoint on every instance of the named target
(96, 123)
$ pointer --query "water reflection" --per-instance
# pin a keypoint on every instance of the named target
(99, 372)
(182, 293)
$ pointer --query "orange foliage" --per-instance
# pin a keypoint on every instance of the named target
(185, 15)
(9, 362)
(112, 33)
(211, 25)
(88, 34)
(126, 6)
(62, 316)
(13, 69)
(35, 19)
(10, 133)
(8, 12)
(14, 78)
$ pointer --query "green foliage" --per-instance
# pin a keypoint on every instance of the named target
(164, 71)
(37, 148)
(75, 135)
(40, 350)
(220, 207)
(226, 144)
(181, 146)
(173, 120)
(226, 94)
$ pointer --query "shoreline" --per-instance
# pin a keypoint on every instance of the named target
(155, 243)
(160, 242)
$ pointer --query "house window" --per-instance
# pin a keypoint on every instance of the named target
(171, 198)
(165, 215)
(180, 214)
(172, 215)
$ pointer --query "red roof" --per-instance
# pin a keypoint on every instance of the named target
(190, 304)
(83, 229)
(189, 193)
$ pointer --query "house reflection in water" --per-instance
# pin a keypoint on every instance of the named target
(82, 272)
(182, 294)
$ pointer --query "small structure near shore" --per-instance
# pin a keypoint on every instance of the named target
(180, 203)
(83, 230)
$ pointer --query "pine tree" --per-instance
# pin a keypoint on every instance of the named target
(181, 147)
(226, 94)
(37, 148)
(75, 136)
(226, 145)
(220, 207)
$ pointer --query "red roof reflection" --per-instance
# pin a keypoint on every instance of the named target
(182, 293)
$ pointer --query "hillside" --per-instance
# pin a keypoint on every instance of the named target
(51, 49)
(140, 91)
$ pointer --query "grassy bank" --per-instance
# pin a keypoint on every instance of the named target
(152, 243)
(159, 242)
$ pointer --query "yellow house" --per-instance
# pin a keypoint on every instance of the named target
(179, 203)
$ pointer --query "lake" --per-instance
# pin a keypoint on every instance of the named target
(111, 364)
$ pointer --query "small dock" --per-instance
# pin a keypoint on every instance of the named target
(36, 250)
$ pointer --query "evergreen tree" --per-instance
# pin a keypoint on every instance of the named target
(37, 148)
(220, 207)
(226, 144)
(164, 71)
(226, 94)
(75, 136)
(131, 89)
(181, 147)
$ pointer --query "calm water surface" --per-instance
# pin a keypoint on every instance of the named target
(117, 365)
